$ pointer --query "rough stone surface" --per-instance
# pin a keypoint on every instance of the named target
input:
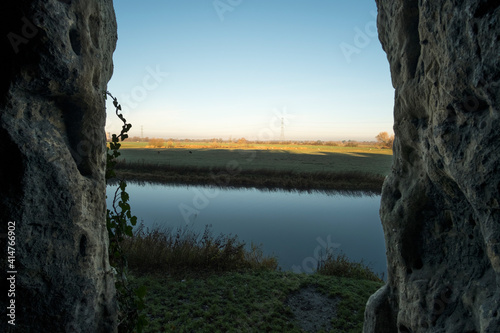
(56, 62)
(440, 205)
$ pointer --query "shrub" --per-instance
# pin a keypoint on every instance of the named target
(340, 265)
(156, 143)
(351, 144)
(164, 250)
(385, 140)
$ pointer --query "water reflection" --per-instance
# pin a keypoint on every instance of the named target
(348, 193)
(296, 226)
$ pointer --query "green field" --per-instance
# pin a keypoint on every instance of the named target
(285, 157)
(294, 167)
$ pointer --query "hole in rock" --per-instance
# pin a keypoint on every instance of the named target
(83, 245)
(486, 7)
(96, 78)
(475, 28)
(403, 329)
(448, 220)
(76, 42)
(472, 103)
(418, 264)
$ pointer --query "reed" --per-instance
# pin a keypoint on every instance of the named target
(183, 251)
(339, 265)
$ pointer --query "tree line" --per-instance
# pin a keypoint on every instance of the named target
(384, 140)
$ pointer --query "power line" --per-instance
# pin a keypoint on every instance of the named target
(282, 136)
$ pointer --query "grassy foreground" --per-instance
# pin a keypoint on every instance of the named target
(202, 283)
(248, 302)
(287, 167)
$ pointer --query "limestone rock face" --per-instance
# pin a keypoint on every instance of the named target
(440, 205)
(56, 62)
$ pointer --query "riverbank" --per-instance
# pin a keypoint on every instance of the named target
(202, 283)
(289, 168)
(261, 179)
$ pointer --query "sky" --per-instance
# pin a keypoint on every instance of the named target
(239, 68)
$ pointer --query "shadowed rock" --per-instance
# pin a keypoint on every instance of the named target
(56, 62)
(440, 205)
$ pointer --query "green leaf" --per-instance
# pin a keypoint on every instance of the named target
(133, 220)
(119, 223)
(129, 231)
(141, 291)
(125, 196)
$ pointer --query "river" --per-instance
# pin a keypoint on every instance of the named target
(296, 227)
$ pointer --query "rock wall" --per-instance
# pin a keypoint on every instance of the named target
(440, 205)
(56, 62)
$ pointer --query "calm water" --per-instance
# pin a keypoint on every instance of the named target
(296, 227)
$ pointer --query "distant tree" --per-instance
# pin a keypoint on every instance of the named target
(156, 143)
(170, 144)
(351, 143)
(385, 140)
(215, 143)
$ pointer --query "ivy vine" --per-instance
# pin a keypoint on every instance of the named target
(120, 223)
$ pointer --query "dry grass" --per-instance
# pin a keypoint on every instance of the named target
(260, 178)
(182, 251)
(339, 265)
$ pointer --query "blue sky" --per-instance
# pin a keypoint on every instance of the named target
(236, 68)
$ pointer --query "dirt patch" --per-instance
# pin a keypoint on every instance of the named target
(312, 310)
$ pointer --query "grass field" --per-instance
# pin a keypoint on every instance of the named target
(255, 302)
(202, 283)
(259, 156)
(259, 165)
